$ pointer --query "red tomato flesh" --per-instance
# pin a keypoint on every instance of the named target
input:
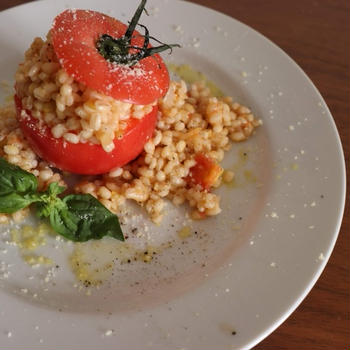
(74, 35)
(86, 158)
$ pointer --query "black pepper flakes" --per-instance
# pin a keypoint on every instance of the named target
(87, 283)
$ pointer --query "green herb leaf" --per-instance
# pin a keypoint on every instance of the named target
(13, 179)
(64, 223)
(55, 189)
(77, 217)
(93, 220)
(17, 188)
(49, 200)
(12, 202)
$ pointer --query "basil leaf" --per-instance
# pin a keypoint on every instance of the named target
(17, 188)
(77, 217)
(49, 200)
(12, 202)
(64, 223)
(14, 179)
(85, 218)
(55, 189)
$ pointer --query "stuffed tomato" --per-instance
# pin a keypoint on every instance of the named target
(86, 97)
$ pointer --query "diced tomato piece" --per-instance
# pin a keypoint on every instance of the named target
(205, 173)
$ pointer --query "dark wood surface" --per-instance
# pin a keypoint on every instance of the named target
(316, 34)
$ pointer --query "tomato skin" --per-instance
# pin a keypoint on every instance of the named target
(86, 158)
(74, 35)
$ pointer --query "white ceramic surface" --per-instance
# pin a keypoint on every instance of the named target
(247, 269)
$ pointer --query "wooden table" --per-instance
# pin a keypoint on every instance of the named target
(316, 34)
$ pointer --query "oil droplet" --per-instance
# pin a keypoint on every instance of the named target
(34, 259)
(190, 76)
(185, 232)
(227, 328)
(243, 176)
(294, 166)
(93, 262)
(232, 184)
(28, 239)
(249, 176)
(242, 159)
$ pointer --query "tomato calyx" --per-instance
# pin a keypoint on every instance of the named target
(117, 50)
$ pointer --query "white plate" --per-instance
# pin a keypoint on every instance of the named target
(243, 275)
